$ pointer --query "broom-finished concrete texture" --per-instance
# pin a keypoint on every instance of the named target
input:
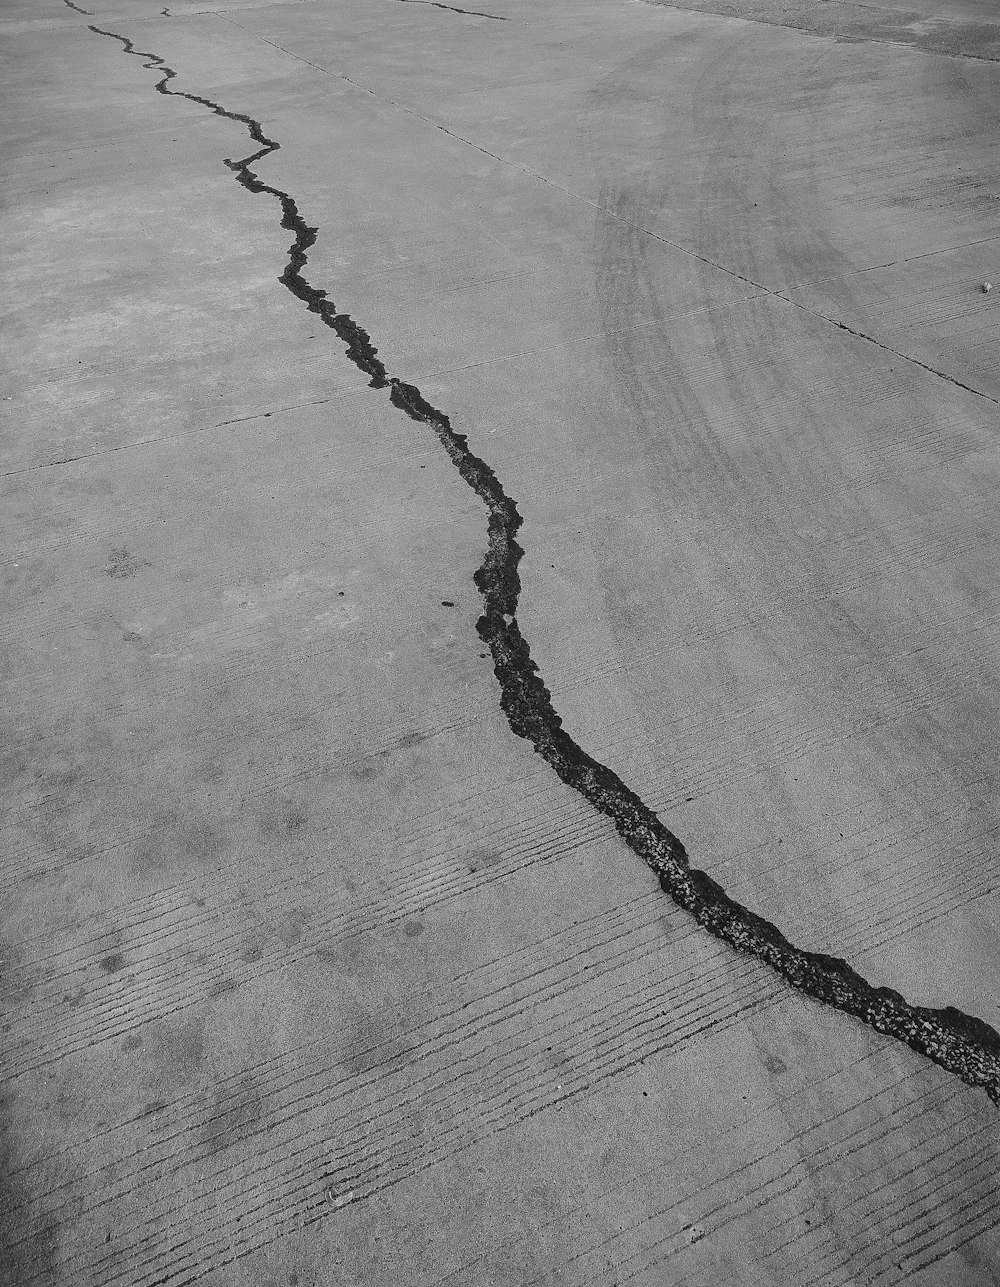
(314, 972)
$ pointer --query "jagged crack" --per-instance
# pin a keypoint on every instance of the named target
(360, 349)
(960, 1043)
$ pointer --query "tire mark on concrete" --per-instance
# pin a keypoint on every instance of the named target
(609, 214)
(875, 25)
(962, 1044)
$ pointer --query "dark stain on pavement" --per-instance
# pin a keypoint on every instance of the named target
(372, 1041)
(480, 859)
(345, 956)
(960, 1043)
(252, 952)
(178, 843)
(174, 1052)
(236, 1111)
(122, 564)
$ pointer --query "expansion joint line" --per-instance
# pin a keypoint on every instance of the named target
(960, 1043)
(887, 348)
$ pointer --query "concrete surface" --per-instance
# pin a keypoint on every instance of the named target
(314, 973)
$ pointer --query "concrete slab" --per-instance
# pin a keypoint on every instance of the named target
(316, 971)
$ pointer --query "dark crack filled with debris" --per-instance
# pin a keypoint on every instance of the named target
(960, 1043)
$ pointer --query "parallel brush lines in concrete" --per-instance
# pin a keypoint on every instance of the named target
(431, 862)
(963, 1044)
(156, 981)
(214, 939)
(585, 950)
(185, 953)
(457, 1113)
(32, 857)
(438, 870)
(473, 1071)
(915, 1241)
(871, 1139)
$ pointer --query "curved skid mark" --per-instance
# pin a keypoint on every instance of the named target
(960, 1043)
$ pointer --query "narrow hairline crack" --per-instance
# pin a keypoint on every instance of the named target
(610, 214)
(962, 1044)
(887, 348)
(892, 263)
(473, 13)
(175, 437)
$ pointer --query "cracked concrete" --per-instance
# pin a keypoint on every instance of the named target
(314, 971)
(961, 1043)
(476, 13)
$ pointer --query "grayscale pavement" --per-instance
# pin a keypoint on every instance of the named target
(314, 970)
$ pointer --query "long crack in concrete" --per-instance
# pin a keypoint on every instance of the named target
(473, 13)
(960, 1043)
